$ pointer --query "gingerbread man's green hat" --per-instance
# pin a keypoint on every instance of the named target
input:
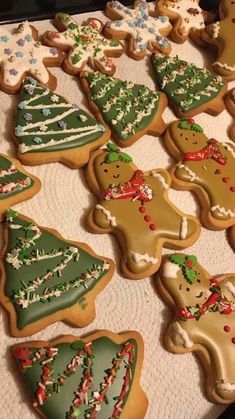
(114, 154)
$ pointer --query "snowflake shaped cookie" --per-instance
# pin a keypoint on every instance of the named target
(21, 54)
(85, 43)
(142, 30)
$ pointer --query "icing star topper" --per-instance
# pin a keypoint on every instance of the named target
(85, 44)
(22, 54)
(141, 30)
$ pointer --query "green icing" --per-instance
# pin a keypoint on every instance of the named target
(126, 107)
(12, 178)
(186, 85)
(47, 122)
(37, 282)
(103, 351)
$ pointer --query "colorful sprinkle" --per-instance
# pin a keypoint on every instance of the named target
(13, 72)
(101, 128)
(19, 54)
(53, 51)
(37, 140)
(4, 38)
(46, 111)
(28, 117)
(32, 81)
(7, 51)
(33, 61)
(20, 42)
(19, 129)
(54, 98)
(28, 38)
(22, 105)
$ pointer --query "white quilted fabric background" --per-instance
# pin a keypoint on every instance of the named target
(174, 384)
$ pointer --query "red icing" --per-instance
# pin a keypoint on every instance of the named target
(191, 121)
(218, 171)
(226, 179)
(232, 188)
(227, 328)
(147, 218)
(211, 151)
(153, 226)
(142, 209)
(233, 341)
(135, 188)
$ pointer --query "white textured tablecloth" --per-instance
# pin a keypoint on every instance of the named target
(174, 383)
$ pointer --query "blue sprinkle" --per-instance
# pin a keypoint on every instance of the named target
(37, 140)
(118, 23)
(164, 19)
(19, 54)
(33, 61)
(31, 80)
(101, 128)
(152, 30)
(46, 111)
(28, 116)
(4, 38)
(62, 124)
(28, 38)
(19, 129)
(22, 105)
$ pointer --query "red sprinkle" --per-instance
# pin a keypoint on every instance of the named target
(233, 341)
(227, 328)
(142, 209)
(226, 179)
(218, 171)
(191, 121)
(147, 218)
(153, 226)
(232, 188)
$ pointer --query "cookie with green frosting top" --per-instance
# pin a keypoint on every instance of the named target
(130, 110)
(16, 184)
(190, 90)
(203, 308)
(93, 377)
(84, 43)
(230, 105)
(204, 166)
(46, 278)
(50, 129)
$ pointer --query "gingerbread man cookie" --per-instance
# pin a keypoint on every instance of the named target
(135, 207)
(49, 128)
(222, 34)
(141, 30)
(93, 377)
(16, 184)
(189, 89)
(45, 279)
(187, 17)
(84, 44)
(206, 167)
(204, 320)
(230, 105)
(22, 54)
(130, 110)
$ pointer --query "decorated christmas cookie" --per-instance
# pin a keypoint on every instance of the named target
(221, 34)
(135, 207)
(84, 44)
(94, 377)
(190, 89)
(16, 184)
(142, 31)
(206, 167)
(49, 128)
(130, 110)
(46, 279)
(230, 105)
(203, 321)
(232, 236)
(22, 54)
(187, 17)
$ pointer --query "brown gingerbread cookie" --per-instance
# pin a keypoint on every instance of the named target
(232, 236)
(230, 105)
(84, 44)
(97, 376)
(206, 167)
(22, 54)
(222, 34)
(135, 207)
(187, 17)
(203, 320)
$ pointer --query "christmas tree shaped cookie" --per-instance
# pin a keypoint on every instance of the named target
(206, 167)
(135, 207)
(84, 43)
(142, 31)
(94, 377)
(190, 89)
(46, 279)
(230, 105)
(50, 129)
(130, 110)
(16, 184)
(203, 320)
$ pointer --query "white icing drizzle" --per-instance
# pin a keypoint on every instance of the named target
(8, 172)
(183, 228)
(216, 29)
(47, 122)
(107, 213)
(224, 65)
(192, 175)
(187, 343)
(161, 179)
(142, 257)
(170, 270)
(231, 288)
(226, 386)
(223, 211)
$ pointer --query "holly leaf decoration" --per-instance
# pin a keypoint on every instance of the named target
(189, 274)
(197, 128)
(111, 147)
(177, 259)
(11, 214)
(192, 259)
(115, 155)
(184, 124)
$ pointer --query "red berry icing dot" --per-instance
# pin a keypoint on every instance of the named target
(233, 19)
(233, 341)
(191, 121)
(142, 209)
(218, 171)
(226, 179)
(232, 188)
(227, 328)
(153, 226)
(147, 218)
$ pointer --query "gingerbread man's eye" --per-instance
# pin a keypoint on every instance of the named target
(188, 289)
(105, 170)
(117, 166)
(186, 138)
(198, 280)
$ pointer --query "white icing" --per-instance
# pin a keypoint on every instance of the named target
(142, 257)
(8, 172)
(161, 180)
(223, 211)
(145, 35)
(192, 175)
(183, 228)
(216, 29)
(226, 386)
(13, 64)
(17, 185)
(107, 213)
(188, 21)
(177, 329)
(224, 65)
(231, 288)
(170, 270)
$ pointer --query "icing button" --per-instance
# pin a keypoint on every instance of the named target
(218, 171)
(226, 179)
(232, 188)
(233, 341)
(233, 19)
(147, 218)
(227, 328)
(153, 226)
(142, 209)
